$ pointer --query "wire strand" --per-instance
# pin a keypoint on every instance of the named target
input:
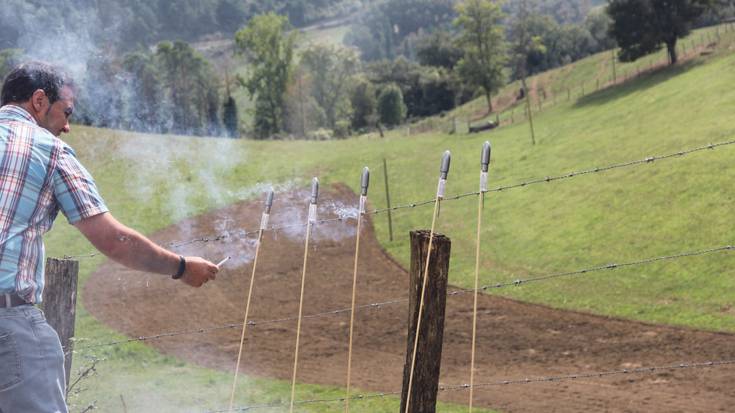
(547, 179)
(379, 305)
(511, 382)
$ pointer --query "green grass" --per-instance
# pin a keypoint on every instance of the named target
(656, 209)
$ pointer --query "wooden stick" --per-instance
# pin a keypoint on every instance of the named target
(301, 307)
(352, 311)
(247, 311)
(481, 200)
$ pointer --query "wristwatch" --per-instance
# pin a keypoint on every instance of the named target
(182, 268)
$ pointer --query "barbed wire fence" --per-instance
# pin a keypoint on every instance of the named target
(507, 382)
(84, 347)
(546, 179)
(698, 43)
(382, 304)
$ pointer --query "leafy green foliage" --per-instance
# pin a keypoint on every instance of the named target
(189, 79)
(390, 105)
(330, 69)
(364, 103)
(438, 49)
(426, 90)
(482, 41)
(173, 90)
(642, 26)
(268, 45)
(126, 25)
(384, 26)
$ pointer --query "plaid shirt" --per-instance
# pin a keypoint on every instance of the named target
(39, 175)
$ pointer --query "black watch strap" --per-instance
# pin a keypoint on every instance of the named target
(182, 268)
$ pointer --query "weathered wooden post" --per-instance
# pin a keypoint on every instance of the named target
(387, 201)
(60, 303)
(429, 351)
(614, 72)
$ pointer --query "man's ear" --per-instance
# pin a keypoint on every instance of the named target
(39, 101)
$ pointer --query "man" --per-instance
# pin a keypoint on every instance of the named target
(40, 176)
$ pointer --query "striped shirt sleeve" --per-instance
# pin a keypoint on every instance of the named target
(74, 188)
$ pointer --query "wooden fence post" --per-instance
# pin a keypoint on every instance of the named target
(425, 383)
(387, 201)
(60, 303)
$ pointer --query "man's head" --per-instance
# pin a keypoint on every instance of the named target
(44, 91)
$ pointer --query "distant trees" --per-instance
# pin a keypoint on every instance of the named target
(194, 95)
(230, 119)
(390, 105)
(439, 49)
(330, 69)
(126, 25)
(364, 102)
(9, 58)
(173, 90)
(426, 90)
(641, 27)
(268, 45)
(384, 27)
(482, 41)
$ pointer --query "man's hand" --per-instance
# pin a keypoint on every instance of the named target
(133, 250)
(198, 271)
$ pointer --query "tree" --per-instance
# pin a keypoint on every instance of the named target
(426, 90)
(268, 45)
(330, 69)
(229, 118)
(362, 99)
(191, 84)
(642, 27)
(146, 87)
(383, 28)
(438, 49)
(523, 45)
(390, 105)
(482, 41)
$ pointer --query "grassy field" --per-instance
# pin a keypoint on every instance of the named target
(655, 209)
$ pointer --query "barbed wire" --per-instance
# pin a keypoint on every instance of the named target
(204, 330)
(599, 374)
(508, 382)
(547, 179)
(380, 305)
(611, 266)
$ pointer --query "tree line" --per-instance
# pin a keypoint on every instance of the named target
(402, 59)
(126, 25)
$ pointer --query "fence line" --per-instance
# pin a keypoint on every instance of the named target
(640, 68)
(547, 179)
(380, 305)
(509, 382)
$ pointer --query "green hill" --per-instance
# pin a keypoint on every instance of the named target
(654, 209)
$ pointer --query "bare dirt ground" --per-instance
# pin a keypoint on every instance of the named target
(515, 340)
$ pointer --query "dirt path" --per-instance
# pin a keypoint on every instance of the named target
(516, 340)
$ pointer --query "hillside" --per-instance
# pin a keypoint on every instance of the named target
(660, 208)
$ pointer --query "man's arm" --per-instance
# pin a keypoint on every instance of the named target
(134, 250)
